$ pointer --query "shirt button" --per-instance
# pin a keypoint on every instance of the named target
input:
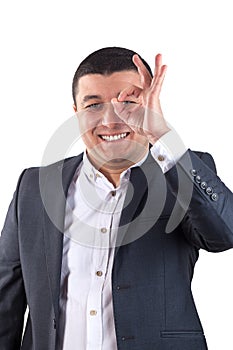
(93, 312)
(113, 193)
(161, 158)
(103, 230)
(99, 273)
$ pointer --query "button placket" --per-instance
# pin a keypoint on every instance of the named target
(97, 211)
(99, 267)
(94, 302)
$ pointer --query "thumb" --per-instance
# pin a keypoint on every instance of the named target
(125, 110)
(120, 109)
(116, 103)
(130, 113)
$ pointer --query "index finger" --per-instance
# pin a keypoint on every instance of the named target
(132, 92)
(143, 71)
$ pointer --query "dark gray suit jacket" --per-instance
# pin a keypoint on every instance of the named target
(153, 269)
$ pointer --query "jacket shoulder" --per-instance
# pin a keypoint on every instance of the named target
(32, 178)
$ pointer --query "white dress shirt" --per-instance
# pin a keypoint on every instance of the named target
(92, 218)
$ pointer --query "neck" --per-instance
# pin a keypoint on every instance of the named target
(113, 175)
(112, 170)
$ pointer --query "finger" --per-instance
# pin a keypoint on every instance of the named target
(158, 64)
(131, 114)
(159, 75)
(123, 110)
(143, 71)
(120, 109)
(160, 79)
(132, 93)
(160, 69)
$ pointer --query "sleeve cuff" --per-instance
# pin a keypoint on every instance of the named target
(168, 150)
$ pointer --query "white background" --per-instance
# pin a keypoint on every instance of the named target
(42, 43)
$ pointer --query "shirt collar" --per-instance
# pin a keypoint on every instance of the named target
(94, 175)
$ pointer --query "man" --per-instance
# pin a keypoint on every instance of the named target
(106, 260)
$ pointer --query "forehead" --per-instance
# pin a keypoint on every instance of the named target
(107, 86)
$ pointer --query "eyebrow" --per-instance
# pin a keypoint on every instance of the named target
(91, 97)
(87, 98)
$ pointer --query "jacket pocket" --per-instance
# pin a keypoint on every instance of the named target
(181, 334)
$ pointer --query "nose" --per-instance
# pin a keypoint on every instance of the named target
(109, 117)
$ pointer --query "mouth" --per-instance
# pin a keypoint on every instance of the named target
(115, 137)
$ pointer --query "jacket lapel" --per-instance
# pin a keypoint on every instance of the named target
(138, 198)
(54, 184)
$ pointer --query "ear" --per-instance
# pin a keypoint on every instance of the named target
(74, 108)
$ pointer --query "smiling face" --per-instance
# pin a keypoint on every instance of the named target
(110, 143)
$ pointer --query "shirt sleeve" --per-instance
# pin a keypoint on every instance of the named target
(168, 150)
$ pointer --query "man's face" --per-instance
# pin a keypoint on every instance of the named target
(109, 141)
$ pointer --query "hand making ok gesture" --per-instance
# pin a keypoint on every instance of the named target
(139, 107)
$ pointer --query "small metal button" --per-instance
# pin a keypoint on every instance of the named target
(122, 287)
(99, 273)
(209, 190)
(193, 172)
(203, 185)
(214, 197)
(103, 230)
(93, 312)
(198, 179)
(161, 158)
(129, 337)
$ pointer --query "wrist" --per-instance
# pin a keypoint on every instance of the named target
(154, 138)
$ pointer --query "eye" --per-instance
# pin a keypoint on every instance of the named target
(128, 102)
(95, 106)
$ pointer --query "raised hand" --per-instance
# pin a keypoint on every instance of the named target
(139, 107)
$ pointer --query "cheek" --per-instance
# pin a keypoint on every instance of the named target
(89, 140)
(87, 123)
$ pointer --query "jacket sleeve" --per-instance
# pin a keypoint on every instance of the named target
(206, 202)
(12, 294)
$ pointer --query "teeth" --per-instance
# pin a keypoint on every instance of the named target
(114, 137)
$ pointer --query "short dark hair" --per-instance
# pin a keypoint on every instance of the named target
(106, 61)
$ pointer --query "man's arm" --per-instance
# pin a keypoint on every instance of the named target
(204, 204)
(208, 219)
(12, 294)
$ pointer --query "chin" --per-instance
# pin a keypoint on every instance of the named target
(121, 160)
